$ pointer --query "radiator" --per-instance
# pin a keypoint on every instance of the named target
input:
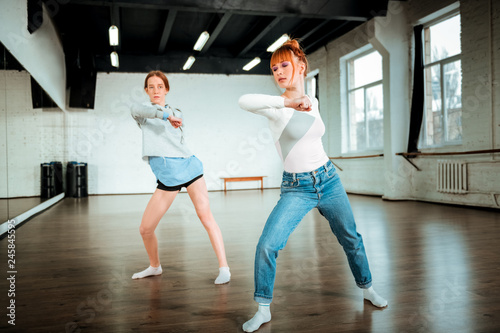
(452, 177)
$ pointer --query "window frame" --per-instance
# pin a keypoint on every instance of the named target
(312, 79)
(365, 87)
(422, 142)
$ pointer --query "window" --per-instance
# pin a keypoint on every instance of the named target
(312, 84)
(365, 116)
(442, 121)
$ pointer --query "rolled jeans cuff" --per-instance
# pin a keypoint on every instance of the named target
(262, 300)
(364, 286)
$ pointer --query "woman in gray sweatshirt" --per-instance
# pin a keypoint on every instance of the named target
(175, 167)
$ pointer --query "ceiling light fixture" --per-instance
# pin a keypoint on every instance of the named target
(114, 59)
(204, 36)
(274, 46)
(189, 63)
(255, 61)
(113, 35)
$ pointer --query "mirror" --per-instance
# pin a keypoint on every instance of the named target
(4, 205)
(21, 159)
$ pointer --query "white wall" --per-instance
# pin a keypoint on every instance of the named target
(33, 136)
(228, 140)
(391, 176)
(480, 114)
(358, 176)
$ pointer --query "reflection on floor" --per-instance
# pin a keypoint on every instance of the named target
(437, 265)
(10, 208)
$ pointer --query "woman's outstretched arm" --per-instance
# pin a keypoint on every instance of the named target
(141, 112)
(270, 106)
(265, 105)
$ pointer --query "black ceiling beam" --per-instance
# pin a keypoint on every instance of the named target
(173, 64)
(35, 15)
(352, 10)
(259, 36)
(215, 33)
(295, 31)
(326, 36)
(167, 29)
(115, 15)
(313, 30)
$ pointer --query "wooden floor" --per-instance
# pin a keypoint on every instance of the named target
(437, 265)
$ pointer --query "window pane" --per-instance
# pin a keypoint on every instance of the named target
(433, 129)
(433, 79)
(443, 84)
(453, 100)
(375, 116)
(444, 39)
(366, 69)
(357, 132)
(311, 87)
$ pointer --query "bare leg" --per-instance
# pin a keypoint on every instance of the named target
(199, 196)
(157, 207)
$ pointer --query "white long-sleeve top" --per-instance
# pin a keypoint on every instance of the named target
(297, 135)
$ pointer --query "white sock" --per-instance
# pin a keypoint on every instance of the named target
(262, 316)
(374, 298)
(224, 276)
(150, 271)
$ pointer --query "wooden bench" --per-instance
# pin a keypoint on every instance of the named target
(244, 179)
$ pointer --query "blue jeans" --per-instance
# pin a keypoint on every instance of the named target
(301, 192)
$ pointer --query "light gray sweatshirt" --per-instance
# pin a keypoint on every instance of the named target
(159, 137)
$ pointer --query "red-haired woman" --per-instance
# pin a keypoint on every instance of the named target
(175, 167)
(309, 180)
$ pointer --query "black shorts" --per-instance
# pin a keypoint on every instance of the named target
(163, 187)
